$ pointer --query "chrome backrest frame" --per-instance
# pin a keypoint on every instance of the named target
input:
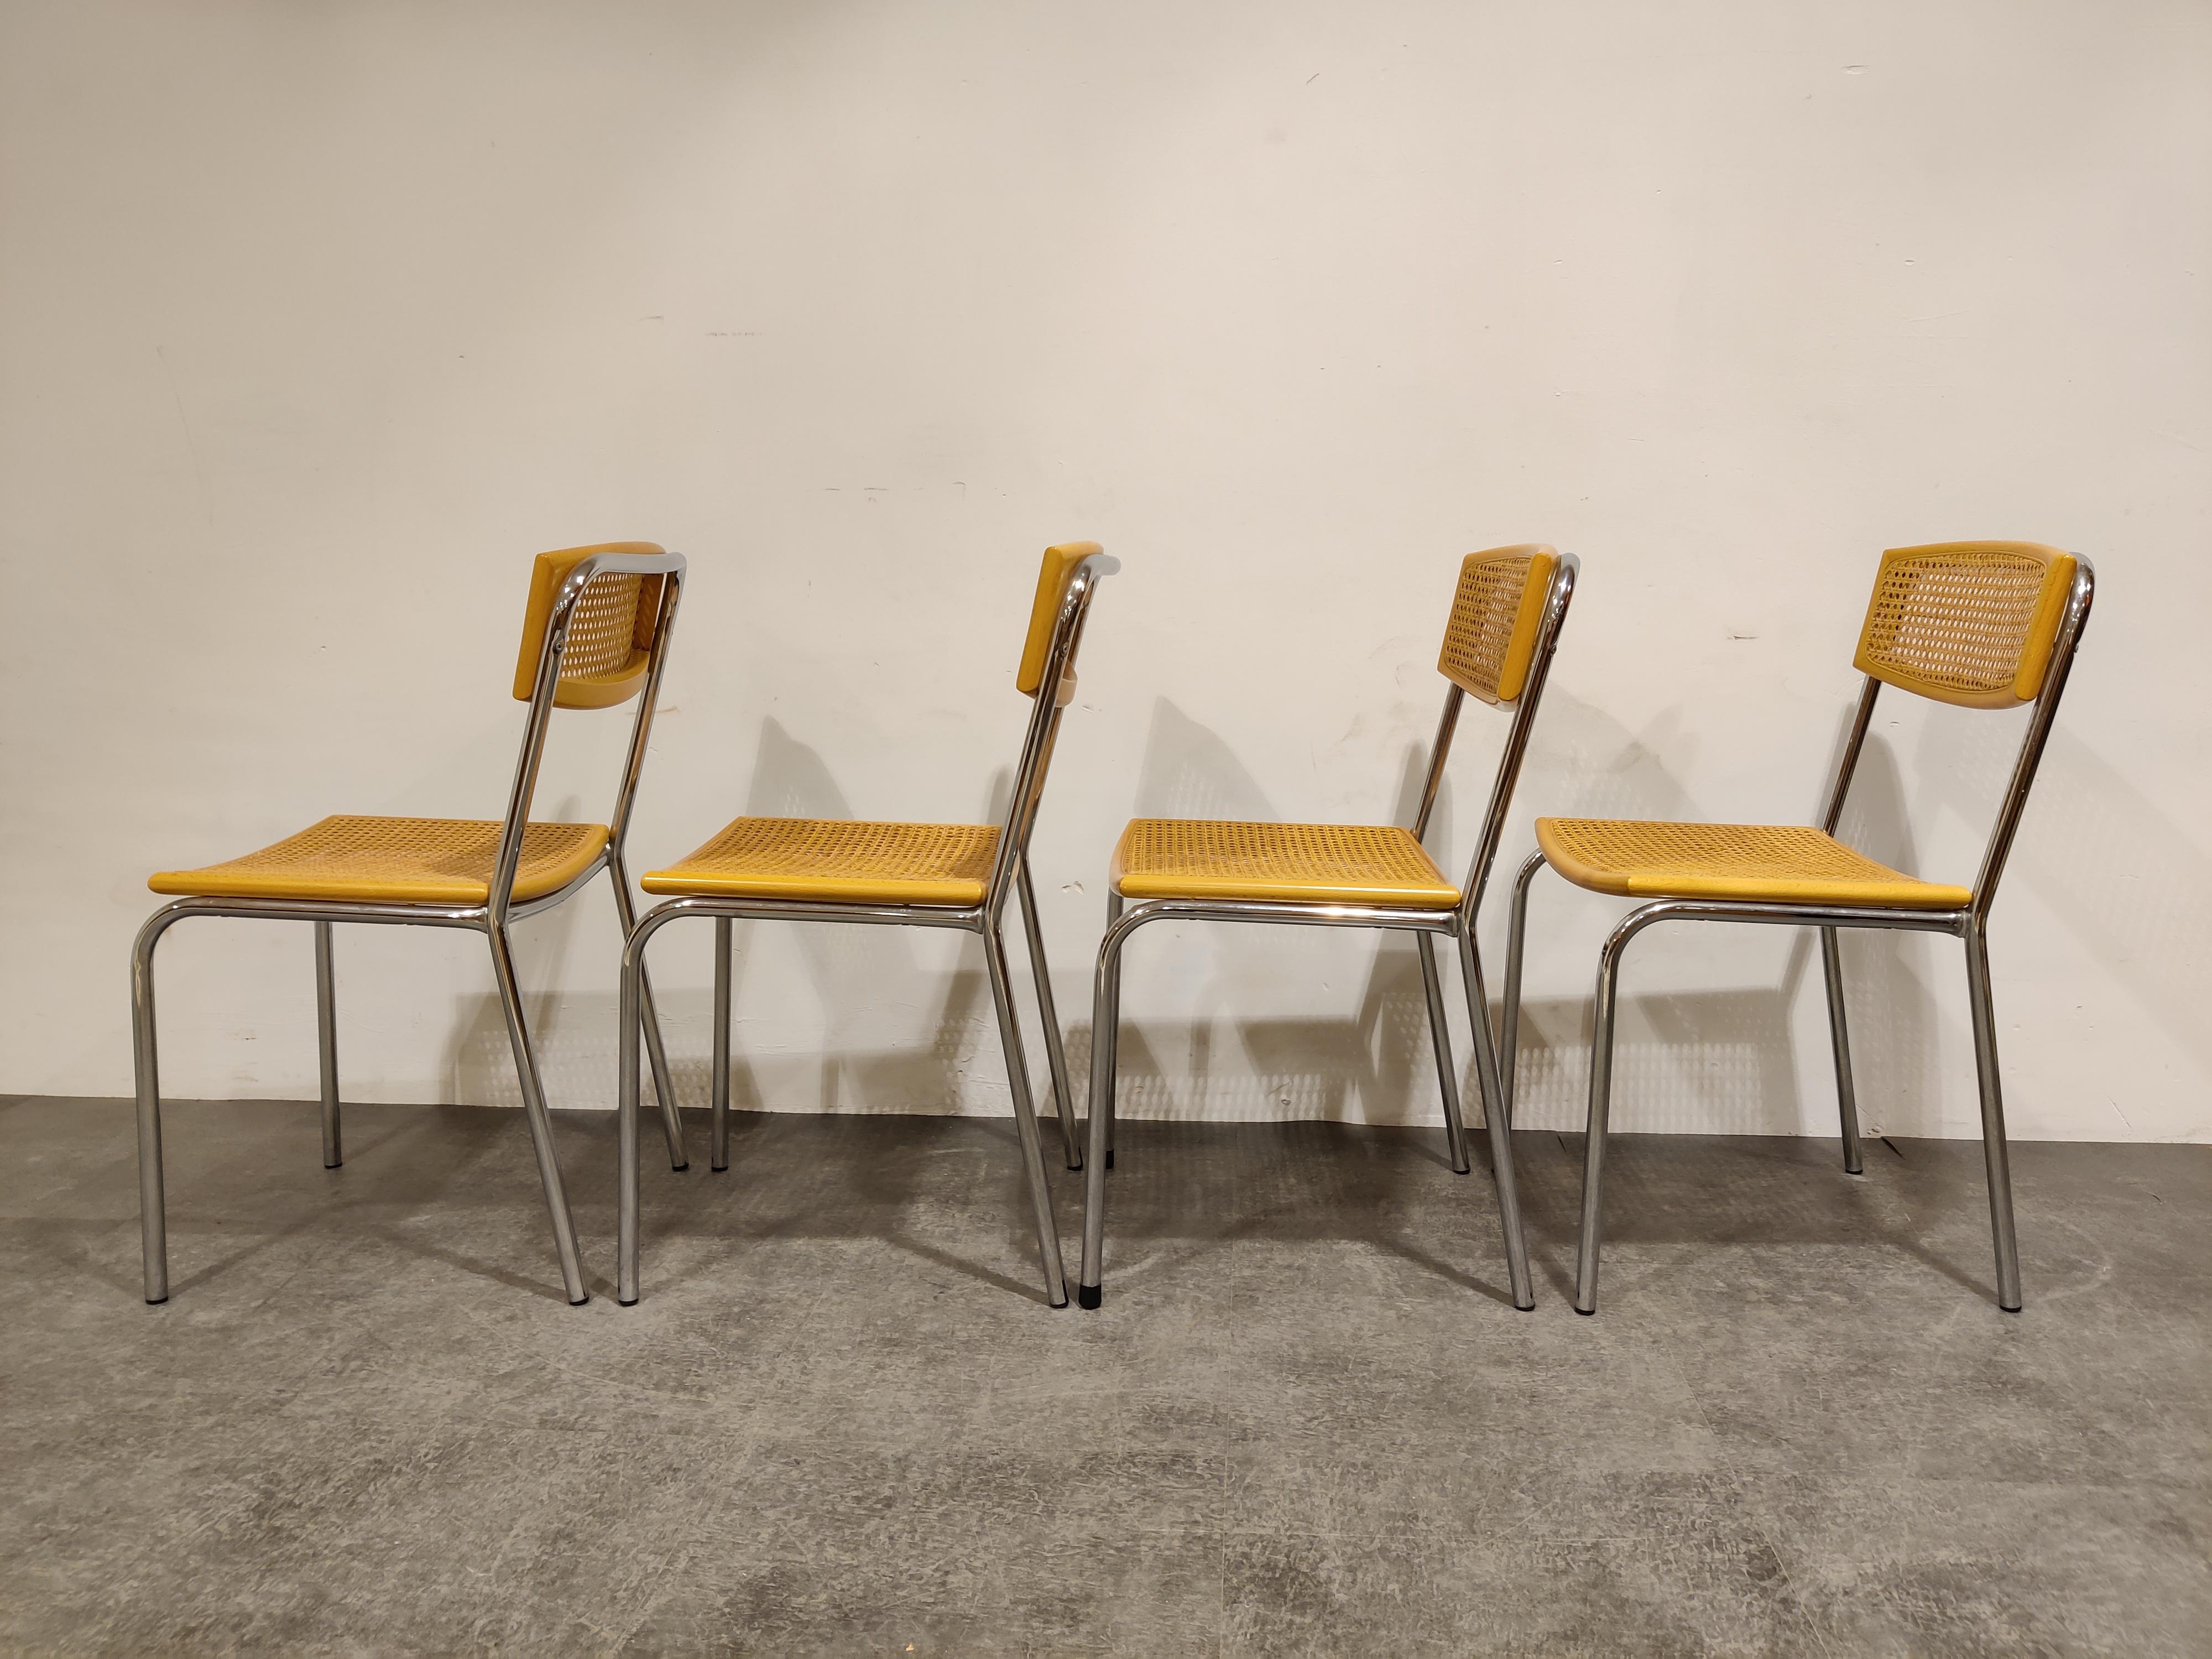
(2071, 622)
(671, 568)
(1559, 595)
(2043, 710)
(1035, 760)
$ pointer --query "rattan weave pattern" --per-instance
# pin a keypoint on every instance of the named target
(1483, 611)
(395, 861)
(1776, 862)
(857, 861)
(1959, 622)
(603, 629)
(1316, 863)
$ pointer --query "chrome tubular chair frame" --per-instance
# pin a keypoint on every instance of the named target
(1970, 924)
(1009, 875)
(1125, 917)
(493, 919)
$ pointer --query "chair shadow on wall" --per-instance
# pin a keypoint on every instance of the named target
(2129, 883)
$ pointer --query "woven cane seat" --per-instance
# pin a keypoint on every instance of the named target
(1786, 864)
(395, 861)
(854, 861)
(1291, 863)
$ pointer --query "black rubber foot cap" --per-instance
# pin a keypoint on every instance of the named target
(720, 1168)
(157, 1301)
(1110, 1157)
(1524, 1307)
(1587, 1313)
(338, 1165)
(1090, 1295)
(678, 1169)
(626, 1302)
(579, 1301)
(2002, 1309)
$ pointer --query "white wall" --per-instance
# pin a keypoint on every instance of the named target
(317, 322)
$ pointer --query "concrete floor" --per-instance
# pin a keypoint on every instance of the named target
(842, 1420)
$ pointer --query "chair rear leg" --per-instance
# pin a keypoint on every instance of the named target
(326, 1036)
(671, 1122)
(541, 1122)
(1600, 1103)
(1440, 1039)
(1994, 1152)
(1501, 1133)
(718, 1133)
(1063, 1102)
(1832, 968)
(1025, 1123)
(152, 1215)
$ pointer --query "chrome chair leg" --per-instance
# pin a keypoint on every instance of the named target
(1509, 1016)
(1063, 1101)
(1114, 906)
(672, 1122)
(1994, 1152)
(718, 1133)
(152, 1215)
(1501, 1134)
(327, 1034)
(1600, 1103)
(1832, 968)
(629, 1199)
(1440, 1039)
(1105, 1022)
(541, 1122)
(1025, 1123)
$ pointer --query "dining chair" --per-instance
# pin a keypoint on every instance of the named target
(595, 636)
(1505, 625)
(1974, 624)
(910, 875)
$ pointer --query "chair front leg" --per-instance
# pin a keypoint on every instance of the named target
(1847, 1108)
(153, 1211)
(1509, 1016)
(326, 1042)
(718, 1132)
(1601, 1102)
(1114, 903)
(1063, 1102)
(1995, 1155)
(1105, 1023)
(1025, 1123)
(1440, 1039)
(671, 1122)
(628, 1197)
(1501, 1133)
(541, 1122)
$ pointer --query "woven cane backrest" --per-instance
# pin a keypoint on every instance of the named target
(1053, 578)
(1495, 616)
(610, 639)
(1967, 622)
